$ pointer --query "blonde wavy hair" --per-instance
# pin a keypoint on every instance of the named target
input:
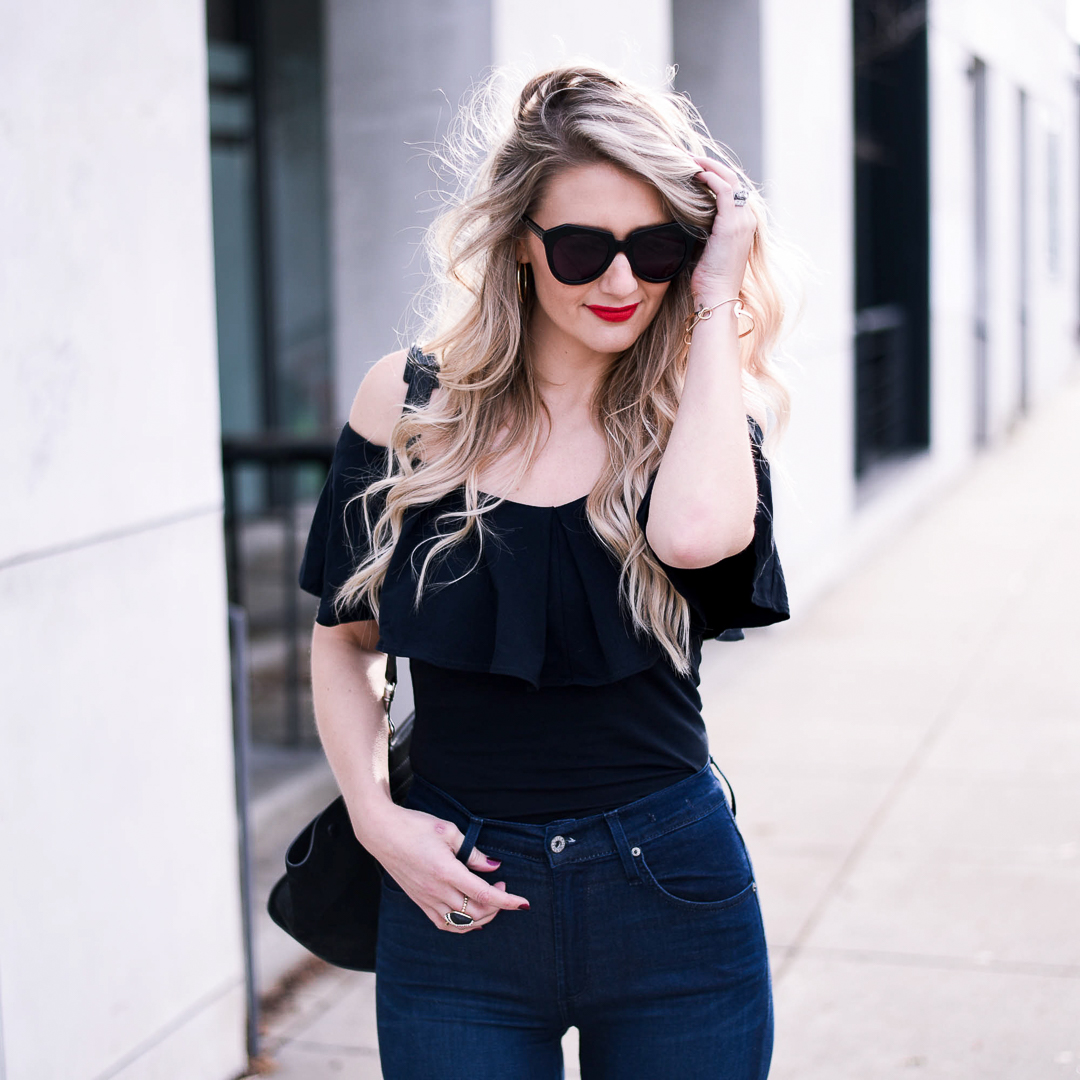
(501, 156)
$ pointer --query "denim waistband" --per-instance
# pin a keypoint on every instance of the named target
(575, 840)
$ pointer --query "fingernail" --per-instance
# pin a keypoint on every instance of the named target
(523, 907)
(493, 862)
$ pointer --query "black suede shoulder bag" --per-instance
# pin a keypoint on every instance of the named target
(328, 898)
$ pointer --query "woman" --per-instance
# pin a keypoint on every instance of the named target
(547, 509)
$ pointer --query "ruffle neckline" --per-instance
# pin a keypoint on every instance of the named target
(541, 603)
(539, 600)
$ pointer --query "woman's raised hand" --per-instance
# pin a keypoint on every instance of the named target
(719, 273)
(419, 851)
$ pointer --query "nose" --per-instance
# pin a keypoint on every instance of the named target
(619, 279)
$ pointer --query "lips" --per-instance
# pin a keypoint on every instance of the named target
(612, 314)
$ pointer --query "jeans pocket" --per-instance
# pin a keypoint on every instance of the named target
(704, 862)
(390, 885)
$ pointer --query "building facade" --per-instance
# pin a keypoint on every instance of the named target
(120, 922)
(210, 220)
(921, 157)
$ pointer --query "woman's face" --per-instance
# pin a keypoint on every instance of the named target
(602, 197)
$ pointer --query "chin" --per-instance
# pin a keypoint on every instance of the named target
(613, 337)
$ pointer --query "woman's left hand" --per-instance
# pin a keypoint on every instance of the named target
(719, 272)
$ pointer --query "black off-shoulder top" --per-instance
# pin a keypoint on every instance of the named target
(535, 700)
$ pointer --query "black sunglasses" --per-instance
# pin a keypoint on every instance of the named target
(577, 254)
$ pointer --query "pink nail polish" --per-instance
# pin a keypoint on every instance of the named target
(493, 863)
(523, 907)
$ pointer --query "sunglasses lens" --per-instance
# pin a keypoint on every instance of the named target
(578, 256)
(660, 253)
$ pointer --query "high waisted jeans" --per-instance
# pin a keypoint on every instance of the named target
(643, 931)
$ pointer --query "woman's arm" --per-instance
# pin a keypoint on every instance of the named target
(347, 680)
(705, 493)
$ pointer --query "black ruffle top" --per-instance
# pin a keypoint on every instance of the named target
(535, 701)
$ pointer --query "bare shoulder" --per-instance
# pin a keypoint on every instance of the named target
(379, 401)
(758, 416)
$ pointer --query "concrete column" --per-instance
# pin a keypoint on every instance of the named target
(807, 165)
(395, 74)
(718, 53)
(120, 949)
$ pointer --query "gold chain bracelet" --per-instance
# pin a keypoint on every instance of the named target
(705, 313)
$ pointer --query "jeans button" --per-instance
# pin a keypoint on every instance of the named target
(558, 843)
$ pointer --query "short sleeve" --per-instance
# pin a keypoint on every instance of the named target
(337, 540)
(746, 589)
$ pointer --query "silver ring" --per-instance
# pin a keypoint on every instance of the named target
(741, 196)
(459, 918)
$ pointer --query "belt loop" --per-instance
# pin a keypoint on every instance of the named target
(622, 847)
(469, 842)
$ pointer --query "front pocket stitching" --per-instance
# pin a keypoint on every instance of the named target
(650, 878)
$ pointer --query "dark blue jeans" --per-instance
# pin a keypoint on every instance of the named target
(644, 932)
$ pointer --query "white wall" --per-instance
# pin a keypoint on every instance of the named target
(1003, 195)
(119, 915)
(1024, 46)
(824, 520)
(633, 36)
(807, 175)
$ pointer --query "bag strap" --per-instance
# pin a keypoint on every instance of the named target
(422, 377)
(389, 687)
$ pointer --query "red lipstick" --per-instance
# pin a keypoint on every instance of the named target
(612, 314)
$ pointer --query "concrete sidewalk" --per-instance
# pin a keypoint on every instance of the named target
(906, 757)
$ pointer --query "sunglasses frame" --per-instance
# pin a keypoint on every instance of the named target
(550, 237)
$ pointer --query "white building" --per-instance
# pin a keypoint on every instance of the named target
(120, 945)
(967, 170)
(942, 226)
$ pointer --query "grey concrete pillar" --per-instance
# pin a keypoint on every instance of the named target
(717, 48)
(395, 73)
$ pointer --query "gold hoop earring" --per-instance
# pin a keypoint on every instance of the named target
(523, 281)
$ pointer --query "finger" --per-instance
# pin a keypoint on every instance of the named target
(724, 182)
(481, 863)
(485, 912)
(484, 894)
(709, 164)
(464, 905)
(439, 919)
(720, 188)
(481, 916)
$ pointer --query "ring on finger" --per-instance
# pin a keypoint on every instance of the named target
(741, 196)
(459, 918)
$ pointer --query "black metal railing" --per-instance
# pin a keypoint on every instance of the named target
(881, 394)
(284, 471)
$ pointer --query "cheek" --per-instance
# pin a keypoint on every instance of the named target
(553, 296)
(655, 294)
